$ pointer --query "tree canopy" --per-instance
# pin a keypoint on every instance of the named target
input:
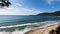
(5, 3)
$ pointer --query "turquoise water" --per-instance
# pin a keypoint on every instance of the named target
(11, 23)
(14, 20)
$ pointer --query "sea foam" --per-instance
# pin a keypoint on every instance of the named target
(28, 28)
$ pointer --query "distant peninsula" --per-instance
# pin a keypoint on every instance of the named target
(56, 13)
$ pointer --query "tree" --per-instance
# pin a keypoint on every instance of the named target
(5, 3)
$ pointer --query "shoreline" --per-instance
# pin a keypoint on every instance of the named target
(40, 29)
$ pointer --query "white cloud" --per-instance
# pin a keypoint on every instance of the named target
(15, 3)
(18, 4)
(17, 9)
(52, 1)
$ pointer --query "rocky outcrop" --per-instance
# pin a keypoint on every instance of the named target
(56, 31)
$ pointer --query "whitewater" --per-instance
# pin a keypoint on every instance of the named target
(29, 26)
(15, 21)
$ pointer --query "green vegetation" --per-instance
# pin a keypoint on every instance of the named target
(5, 3)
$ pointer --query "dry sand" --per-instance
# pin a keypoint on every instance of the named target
(44, 30)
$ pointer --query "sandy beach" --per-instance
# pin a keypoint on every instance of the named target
(44, 30)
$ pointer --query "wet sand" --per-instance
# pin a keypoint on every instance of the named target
(44, 30)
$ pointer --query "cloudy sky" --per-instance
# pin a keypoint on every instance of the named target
(30, 7)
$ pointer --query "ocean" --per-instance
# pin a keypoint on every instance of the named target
(15, 24)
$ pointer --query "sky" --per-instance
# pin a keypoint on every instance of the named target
(30, 7)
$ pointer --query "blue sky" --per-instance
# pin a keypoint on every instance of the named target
(44, 5)
(31, 7)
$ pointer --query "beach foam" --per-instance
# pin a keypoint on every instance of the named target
(36, 23)
(28, 27)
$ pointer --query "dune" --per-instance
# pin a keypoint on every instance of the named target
(44, 30)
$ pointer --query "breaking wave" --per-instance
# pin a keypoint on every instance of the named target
(29, 26)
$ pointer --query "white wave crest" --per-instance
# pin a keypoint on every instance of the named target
(36, 23)
(27, 28)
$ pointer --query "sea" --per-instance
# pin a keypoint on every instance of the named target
(18, 24)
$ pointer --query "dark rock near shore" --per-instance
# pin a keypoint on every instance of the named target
(56, 31)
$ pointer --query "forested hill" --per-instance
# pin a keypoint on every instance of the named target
(56, 13)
